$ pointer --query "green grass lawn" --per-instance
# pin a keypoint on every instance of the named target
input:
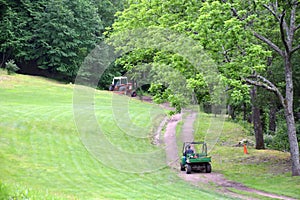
(50, 149)
(57, 143)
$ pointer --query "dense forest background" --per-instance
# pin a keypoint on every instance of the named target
(52, 38)
(255, 44)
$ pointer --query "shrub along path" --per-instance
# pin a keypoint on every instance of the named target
(202, 179)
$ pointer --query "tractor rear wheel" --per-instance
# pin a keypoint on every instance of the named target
(182, 168)
(208, 168)
(188, 169)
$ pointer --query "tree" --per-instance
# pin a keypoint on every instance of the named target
(282, 12)
(224, 36)
(239, 34)
(173, 15)
(107, 9)
(52, 37)
(64, 34)
(9, 38)
(256, 119)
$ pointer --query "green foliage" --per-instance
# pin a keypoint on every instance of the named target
(172, 112)
(230, 44)
(164, 64)
(107, 9)
(11, 67)
(279, 140)
(228, 40)
(69, 31)
(106, 78)
(54, 35)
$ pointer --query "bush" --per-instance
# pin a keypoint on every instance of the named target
(11, 67)
(280, 140)
(269, 140)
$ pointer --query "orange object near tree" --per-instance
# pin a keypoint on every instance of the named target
(245, 149)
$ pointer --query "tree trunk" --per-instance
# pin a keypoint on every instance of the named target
(244, 112)
(257, 123)
(272, 117)
(231, 111)
(4, 58)
(290, 121)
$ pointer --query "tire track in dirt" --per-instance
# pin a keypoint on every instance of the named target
(170, 140)
(199, 179)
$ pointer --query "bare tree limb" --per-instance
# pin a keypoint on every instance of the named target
(235, 14)
(282, 33)
(275, 6)
(270, 60)
(264, 80)
(270, 43)
(259, 84)
(296, 28)
(242, 50)
(295, 49)
(261, 81)
(273, 12)
(292, 24)
(225, 54)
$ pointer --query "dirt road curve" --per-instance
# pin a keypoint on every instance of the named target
(199, 179)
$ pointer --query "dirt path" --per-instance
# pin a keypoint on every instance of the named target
(213, 179)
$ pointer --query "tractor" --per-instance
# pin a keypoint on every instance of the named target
(120, 85)
(194, 157)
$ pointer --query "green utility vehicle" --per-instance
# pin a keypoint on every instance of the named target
(194, 157)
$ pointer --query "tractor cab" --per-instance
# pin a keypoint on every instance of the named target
(119, 81)
(121, 85)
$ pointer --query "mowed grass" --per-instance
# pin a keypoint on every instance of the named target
(266, 170)
(49, 149)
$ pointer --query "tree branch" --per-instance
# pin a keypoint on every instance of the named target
(282, 32)
(295, 49)
(293, 27)
(259, 84)
(268, 42)
(296, 28)
(268, 83)
(235, 14)
(225, 54)
(272, 11)
(265, 83)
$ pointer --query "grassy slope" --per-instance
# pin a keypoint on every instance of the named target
(43, 157)
(266, 170)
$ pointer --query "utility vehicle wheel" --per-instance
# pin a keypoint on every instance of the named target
(188, 169)
(208, 168)
(182, 168)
